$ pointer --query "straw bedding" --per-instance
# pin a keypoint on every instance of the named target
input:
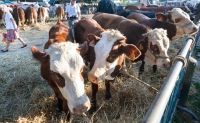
(26, 97)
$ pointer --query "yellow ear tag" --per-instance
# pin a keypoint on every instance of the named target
(141, 47)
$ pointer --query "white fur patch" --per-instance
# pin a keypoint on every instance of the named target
(65, 60)
(158, 37)
(186, 26)
(102, 69)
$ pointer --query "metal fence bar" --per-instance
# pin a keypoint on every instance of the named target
(159, 104)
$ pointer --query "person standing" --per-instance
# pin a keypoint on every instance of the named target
(52, 10)
(11, 28)
(73, 14)
(73, 11)
(36, 6)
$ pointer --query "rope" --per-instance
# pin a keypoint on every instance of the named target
(126, 72)
(181, 58)
(190, 36)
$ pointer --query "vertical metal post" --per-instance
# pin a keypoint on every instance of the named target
(187, 81)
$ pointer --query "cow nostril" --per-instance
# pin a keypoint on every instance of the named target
(194, 29)
(74, 110)
(92, 78)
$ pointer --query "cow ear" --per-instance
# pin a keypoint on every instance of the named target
(161, 17)
(83, 48)
(93, 39)
(131, 51)
(48, 43)
(39, 55)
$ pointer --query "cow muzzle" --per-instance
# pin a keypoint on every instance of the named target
(79, 109)
(92, 78)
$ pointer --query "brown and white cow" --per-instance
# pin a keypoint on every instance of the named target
(107, 49)
(19, 16)
(43, 14)
(174, 30)
(60, 13)
(31, 15)
(133, 32)
(62, 69)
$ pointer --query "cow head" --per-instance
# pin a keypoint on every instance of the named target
(180, 19)
(65, 71)
(158, 44)
(58, 33)
(109, 54)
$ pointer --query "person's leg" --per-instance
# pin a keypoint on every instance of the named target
(7, 46)
(21, 40)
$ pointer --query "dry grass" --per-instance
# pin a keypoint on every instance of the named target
(26, 97)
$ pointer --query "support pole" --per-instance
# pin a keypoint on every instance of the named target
(187, 81)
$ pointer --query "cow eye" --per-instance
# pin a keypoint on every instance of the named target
(177, 20)
(154, 47)
(113, 56)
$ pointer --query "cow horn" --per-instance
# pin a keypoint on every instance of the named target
(145, 34)
(169, 12)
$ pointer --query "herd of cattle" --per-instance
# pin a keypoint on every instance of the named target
(30, 15)
(105, 41)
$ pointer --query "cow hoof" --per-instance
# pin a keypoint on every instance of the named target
(108, 97)
(60, 113)
(92, 110)
(140, 73)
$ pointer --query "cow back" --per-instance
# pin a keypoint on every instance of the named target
(133, 31)
(86, 26)
(155, 8)
(154, 23)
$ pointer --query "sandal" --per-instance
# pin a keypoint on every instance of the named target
(4, 50)
(24, 46)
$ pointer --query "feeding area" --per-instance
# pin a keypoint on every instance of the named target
(27, 97)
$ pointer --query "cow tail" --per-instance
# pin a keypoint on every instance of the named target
(41, 14)
(61, 14)
(32, 19)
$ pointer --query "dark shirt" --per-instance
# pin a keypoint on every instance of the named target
(107, 6)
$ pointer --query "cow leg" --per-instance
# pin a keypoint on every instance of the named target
(36, 21)
(23, 25)
(154, 68)
(142, 67)
(60, 107)
(107, 84)
(66, 110)
(32, 21)
(93, 100)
